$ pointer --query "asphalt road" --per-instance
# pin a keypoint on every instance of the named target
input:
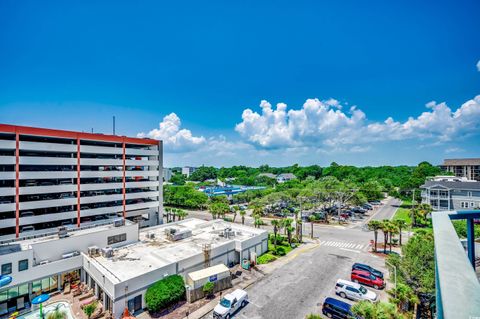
(300, 286)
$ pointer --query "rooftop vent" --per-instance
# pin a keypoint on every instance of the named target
(150, 235)
(118, 222)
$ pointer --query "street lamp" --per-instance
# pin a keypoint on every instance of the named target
(395, 274)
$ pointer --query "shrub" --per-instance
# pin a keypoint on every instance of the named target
(165, 292)
(280, 251)
(208, 288)
(90, 308)
(228, 219)
(265, 259)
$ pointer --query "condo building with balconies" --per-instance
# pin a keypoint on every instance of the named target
(451, 193)
(51, 178)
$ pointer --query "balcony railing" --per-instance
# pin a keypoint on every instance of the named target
(457, 286)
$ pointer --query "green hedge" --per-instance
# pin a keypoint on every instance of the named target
(265, 259)
(165, 292)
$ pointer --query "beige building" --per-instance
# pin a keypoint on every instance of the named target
(463, 167)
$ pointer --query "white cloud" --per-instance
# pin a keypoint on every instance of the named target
(324, 124)
(478, 65)
(174, 138)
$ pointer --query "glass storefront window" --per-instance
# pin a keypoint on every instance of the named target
(12, 292)
(36, 286)
(3, 295)
(23, 289)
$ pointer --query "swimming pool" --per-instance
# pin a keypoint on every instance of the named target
(62, 305)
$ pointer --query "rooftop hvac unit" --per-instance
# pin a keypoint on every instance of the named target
(107, 252)
(93, 251)
(175, 234)
(62, 232)
(150, 235)
(118, 222)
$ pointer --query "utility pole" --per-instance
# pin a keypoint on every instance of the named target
(395, 274)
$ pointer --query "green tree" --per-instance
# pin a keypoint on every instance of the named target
(203, 173)
(182, 214)
(374, 225)
(236, 209)
(178, 179)
(381, 310)
(403, 296)
(313, 316)
(208, 288)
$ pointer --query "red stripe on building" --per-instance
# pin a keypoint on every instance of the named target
(123, 181)
(17, 185)
(78, 182)
(6, 128)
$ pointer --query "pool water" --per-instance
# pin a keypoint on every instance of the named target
(35, 314)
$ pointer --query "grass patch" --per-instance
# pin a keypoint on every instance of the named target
(404, 212)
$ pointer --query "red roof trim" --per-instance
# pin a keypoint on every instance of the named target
(26, 130)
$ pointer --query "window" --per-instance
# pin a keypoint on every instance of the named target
(472, 204)
(22, 265)
(464, 204)
(6, 269)
(116, 239)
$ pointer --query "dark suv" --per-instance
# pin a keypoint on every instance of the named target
(373, 271)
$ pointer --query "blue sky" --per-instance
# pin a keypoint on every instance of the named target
(343, 68)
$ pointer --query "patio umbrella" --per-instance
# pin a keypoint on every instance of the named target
(5, 280)
(38, 300)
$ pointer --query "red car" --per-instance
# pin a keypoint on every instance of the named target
(365, 278)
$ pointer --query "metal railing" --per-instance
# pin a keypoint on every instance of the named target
(457, 286)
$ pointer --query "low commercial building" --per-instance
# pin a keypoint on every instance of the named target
(463, 167)
(451, 193)
(120, 261)
(167, 174)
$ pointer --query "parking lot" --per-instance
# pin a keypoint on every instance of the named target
(300, 286)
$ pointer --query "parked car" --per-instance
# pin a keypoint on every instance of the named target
(375, 202)
(353, 290)
(230, 303)
(366, 278)
(367, 206)
(27, 229)
(373, 271)
(337, 309)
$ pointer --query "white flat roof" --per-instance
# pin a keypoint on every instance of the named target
(207, 272)
(150, 254)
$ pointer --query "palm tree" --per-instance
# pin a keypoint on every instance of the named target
(236, 209)
(299, 230)
(276, 224)
(287, 222)
(384, 228)
(258, 222)
(290, 230)
(57, 313)
(182, 214)
(391, 229)
(242, 214)
(174, 212)
(311, 219)
(374, 225)
(401, 224)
